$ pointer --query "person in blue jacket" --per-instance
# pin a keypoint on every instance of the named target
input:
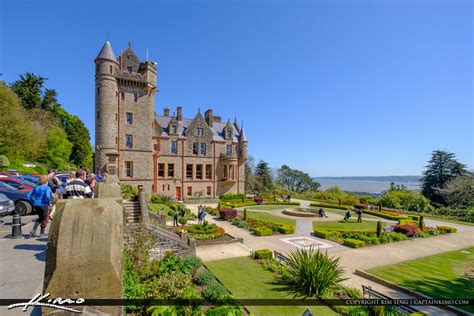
(40, 197)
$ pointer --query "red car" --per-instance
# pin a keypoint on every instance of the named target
(16, 183)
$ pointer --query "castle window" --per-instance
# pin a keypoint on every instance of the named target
(155, 147)
(208, 171)
(129, 141)
(129, 168)
(163, 187)
(135, 97)
(199, 172)
(161, 170)
(123, 96)
(174, 129)
(174, 147)
(190, 191)
(229, 133)
(231, 172)
(195, 148)
(111, 69)
(129, 69)
(129, 118)
(236, 149)
(97, 68)
(203, 149)
(98, 114)
(171, 170)
(199, 131)
(168, 187)
(225, 171)
(115, 116)
(189, 172)
(228, 150)
(208, 190)
(98, 90)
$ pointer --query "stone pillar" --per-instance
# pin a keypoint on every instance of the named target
(84, 254)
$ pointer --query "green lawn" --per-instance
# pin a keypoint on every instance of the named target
(270, 218)
(342, 213)
(269, 207)
(160, 208)
(440, 276)
(349, 225)
(246, 279)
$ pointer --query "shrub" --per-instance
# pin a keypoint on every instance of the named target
(262, 231)
(202, 229)
(228, 213)
(227, 197)
(408, 221)
(263, 254)
(172, 262)
(129, 192)
(170, 285)
(335, 206)
(182, 220)
(447, 229)
(407, 229)
(322, 233)
(354, 243)
(286, 229)
(311, 273)
(414, 217)
(396, 236)
(386, 214)
(379, 228)
(245, 214)
(421, 223)
(213, 291)
(205, 277)
(194, 261)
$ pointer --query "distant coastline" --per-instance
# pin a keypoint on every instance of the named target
(375, 184)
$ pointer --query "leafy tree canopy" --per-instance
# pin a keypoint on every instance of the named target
(296, 180)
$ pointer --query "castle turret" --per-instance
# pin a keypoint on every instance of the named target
(106, 133)
(243, 144)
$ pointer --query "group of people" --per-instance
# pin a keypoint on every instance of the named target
(359, 213)
(201, 214)
(79, 185)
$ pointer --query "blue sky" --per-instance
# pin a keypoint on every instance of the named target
(335, 88)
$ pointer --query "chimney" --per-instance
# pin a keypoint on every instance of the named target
(166, 112)
(180, 113)
(217, 119)
(209, 117)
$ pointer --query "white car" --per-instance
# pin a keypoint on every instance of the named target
(7, 206)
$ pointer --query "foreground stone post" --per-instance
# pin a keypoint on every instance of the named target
(84, 255)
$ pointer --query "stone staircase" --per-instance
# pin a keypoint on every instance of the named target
(132, 220)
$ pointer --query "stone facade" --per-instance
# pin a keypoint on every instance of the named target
(167, 154)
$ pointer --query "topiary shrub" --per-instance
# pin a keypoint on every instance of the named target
(262, 231)
(421, 223)
(379, 228)
(407, 229)
(322, 233)
(286, 229)
(354, 243)
(263, 254)
(182, 220)
(245, 214)
(213, 291)
(205, 277)
(228, 213)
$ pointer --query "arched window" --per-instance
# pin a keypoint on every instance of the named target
(111, 69)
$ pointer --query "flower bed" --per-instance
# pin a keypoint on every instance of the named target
(262, 228)
(386, 214)
(401, 232)
(204, 231)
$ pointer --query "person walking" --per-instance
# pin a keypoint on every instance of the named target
(176, 218)
(203, 214)
(359, 215)
(40, 197)
(199, 215)
(347, 216)
(78, 189)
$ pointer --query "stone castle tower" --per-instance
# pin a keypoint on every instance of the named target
(168, 154)
(124, 90)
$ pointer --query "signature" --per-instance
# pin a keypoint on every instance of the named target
(54, 303)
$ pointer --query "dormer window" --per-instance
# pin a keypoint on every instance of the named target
(129, 69)
(199, 131)
(174, 129)
(229, 133)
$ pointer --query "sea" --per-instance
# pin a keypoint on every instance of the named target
(374, 185)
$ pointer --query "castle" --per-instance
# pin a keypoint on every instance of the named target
(166, 154)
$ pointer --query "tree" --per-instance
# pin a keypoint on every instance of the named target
(459, 192)
(251, 181)
(59, 148)
(28, 89)
(441, 168)
(264, 175)
(405, 200)
(296, 180)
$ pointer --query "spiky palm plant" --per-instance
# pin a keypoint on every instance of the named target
(311, 273)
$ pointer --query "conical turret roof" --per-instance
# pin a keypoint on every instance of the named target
(243, 137)
(107, 52)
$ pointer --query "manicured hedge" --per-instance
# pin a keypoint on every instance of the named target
(263, 254)
(262, 231)
(322, 233)
(410, 221)
(329, 206)
(385, 215)
(354, 243)
(228, 213)
(447, 229)
(286, 229)
(227, 197)
(235, 205)
(414, 217)
(282, 203)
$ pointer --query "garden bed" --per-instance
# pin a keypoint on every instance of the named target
(224, 239)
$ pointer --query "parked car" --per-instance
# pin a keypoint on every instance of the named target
(17, 183)
(23, 205)
(29, 178)
(7, 206)
(25, 181)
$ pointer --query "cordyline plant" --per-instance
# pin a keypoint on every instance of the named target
(311, 273)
